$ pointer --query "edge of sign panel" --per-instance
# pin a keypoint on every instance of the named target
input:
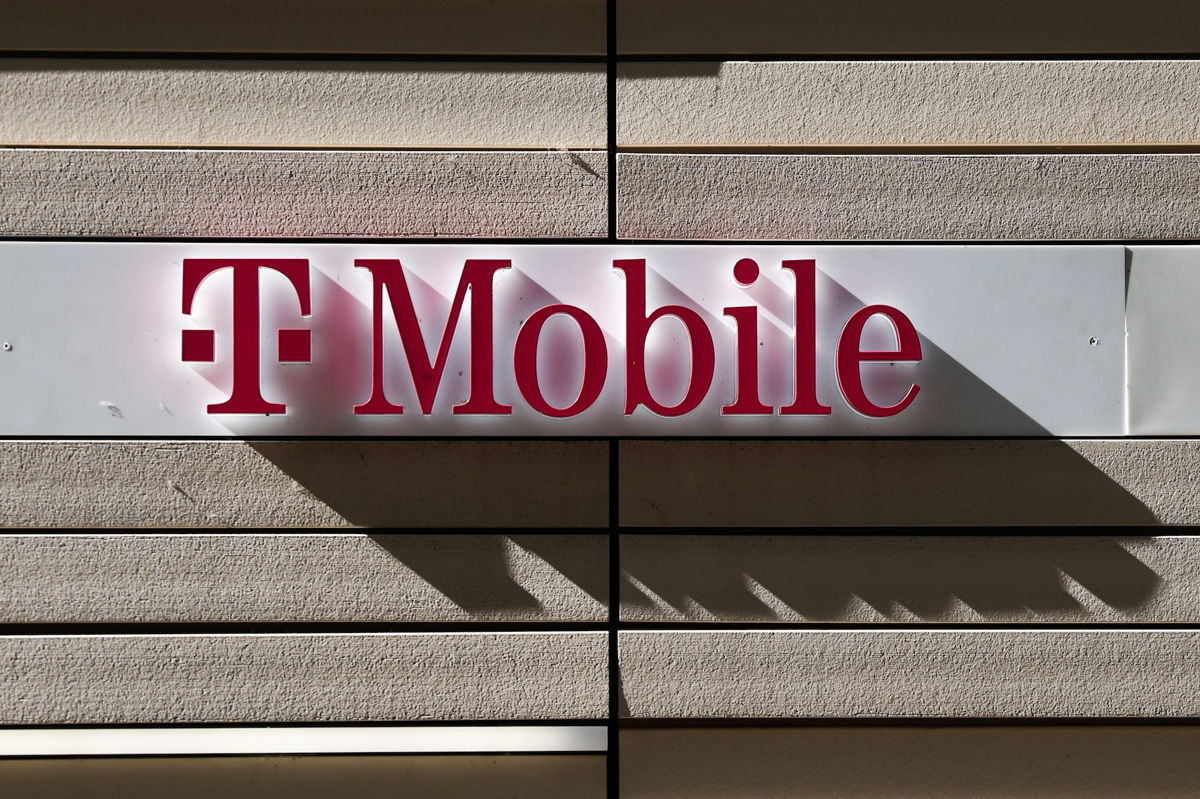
(728, 340)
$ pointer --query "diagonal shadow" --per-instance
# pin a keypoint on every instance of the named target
(474, 572)
(581, 559)
(747, 481)
(367, 484)
(819, 577)
(470, 570)
(773, 483)
(970, 400)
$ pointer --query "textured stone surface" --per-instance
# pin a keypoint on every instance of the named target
(888, 197)
(871, 579)
(905, 26)
(315, 26)
(920, 482)
(888, 673)
(300, 103)
(302, 578)
(128, 679)
(1013, 762)
(806, 103)
(324, 777)
(304, 484)
(301, 193)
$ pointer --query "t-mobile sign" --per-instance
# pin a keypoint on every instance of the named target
(560, 340)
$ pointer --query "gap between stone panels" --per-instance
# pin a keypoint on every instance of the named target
(612, 757)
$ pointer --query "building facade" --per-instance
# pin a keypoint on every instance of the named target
(980, 604)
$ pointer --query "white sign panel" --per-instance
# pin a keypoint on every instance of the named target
(1163, 335)
(494, 339)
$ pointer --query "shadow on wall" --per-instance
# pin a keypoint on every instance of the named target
(882, 482)
(1032, 480)
(495, 483)
(473, 570)
(819, 578)
(790, 483)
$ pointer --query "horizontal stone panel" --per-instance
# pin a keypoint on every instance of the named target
(327, 577)
(911, 26)
(394, 484)
(247, 103)
(144, 679)
(891, 103)
(889, 673)
(901, 197)
(914, 483)
(906, 579)
(891, 762)
(297, 193)
(310, 26)
(248, 777)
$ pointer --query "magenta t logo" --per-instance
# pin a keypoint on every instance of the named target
(295, 345)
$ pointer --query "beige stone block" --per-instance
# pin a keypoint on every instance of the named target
(318, 677)
(397, 484)
(891, 673)
(247, 103)
(895, 483)
(907, 102)
(908, 197)
(301, 193)
(326, 577)
(904, 579)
